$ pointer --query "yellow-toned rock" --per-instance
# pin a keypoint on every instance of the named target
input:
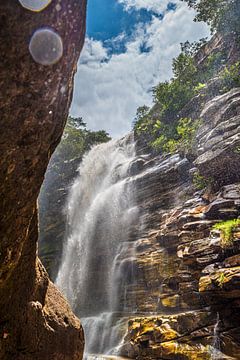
(224, 281)
(170, 301)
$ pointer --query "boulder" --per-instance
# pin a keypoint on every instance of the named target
(36, 81)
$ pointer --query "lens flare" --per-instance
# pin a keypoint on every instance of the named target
(35, 5)
(46, 47)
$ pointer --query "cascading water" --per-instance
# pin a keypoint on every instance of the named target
(93, 273)
(215, 349)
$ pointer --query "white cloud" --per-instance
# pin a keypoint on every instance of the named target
(157, 6)
(108, 89)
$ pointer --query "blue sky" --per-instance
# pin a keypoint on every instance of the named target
(107, 19)
(128, 50)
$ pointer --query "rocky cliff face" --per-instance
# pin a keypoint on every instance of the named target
(187, 274)
(183, 282)
(35, 320)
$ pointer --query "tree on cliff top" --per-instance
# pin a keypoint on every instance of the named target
(77, 139)
(220, 15)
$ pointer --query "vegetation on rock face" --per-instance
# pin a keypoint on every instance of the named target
(199, 181)
(179, 137)
(165, 131)
(76, 141)
(227, 229)
(221, 279)
(230, 76)
(221, 15)
(162, 126)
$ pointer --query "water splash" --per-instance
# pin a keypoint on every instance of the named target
(35, 5)
(46, 46)
(95, 267)
(216, 346)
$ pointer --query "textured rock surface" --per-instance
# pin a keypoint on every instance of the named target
(35, 320)
(219, 138)
(185, 277)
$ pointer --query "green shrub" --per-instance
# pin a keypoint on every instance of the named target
(221, 15)
(199, 87)
(199, 181)
(167, 133)
(237, 150)
(173, 95)
(139, 122)
(76, 140)
(164, 144)
(192, 48)
(227, 228)
(178, 136)
(221, 279)
(230, 76)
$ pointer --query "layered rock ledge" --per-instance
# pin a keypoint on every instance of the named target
(186, 289)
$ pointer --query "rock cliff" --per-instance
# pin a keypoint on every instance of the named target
(35, 320)
(187, 270)
(181, 299)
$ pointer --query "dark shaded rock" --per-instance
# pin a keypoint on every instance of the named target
(219, 208)
(35, 320)
(218, 139)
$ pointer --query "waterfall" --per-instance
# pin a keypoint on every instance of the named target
(95, 267)
(215, 349)
(216, 346)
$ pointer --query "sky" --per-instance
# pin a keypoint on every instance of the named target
(129, 48)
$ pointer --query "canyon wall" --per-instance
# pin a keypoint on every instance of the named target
(186, 277)
(35, 320)
(181, 299)
(187, 274)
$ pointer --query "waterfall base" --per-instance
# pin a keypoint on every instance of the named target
(104, 334)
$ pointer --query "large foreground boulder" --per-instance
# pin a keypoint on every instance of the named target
(36, 89)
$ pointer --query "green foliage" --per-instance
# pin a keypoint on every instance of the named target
(172, 95)
(161, 125)
(213, 64)
(183, 65)
(141, 121)
(191, 49)
(177, 137)
(77, 140)
(220, 15)
(186, 130)
(199, 87)
(230, 76)
(237, 150)
(221, 279)
(227, 228)
(199, 181)
(187, 82)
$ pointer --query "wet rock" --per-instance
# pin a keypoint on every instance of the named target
(218, 139)
(185, 276)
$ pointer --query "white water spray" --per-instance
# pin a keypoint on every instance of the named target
(93, 273)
